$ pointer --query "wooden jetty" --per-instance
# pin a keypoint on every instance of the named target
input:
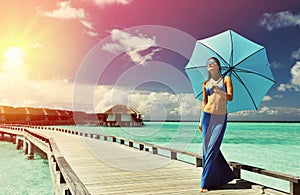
(87, 163)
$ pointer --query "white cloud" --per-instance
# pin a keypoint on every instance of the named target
(91, 34)
(65, 11)
(296, 54)
(138, 58)
(26, 92)
(282, 87)
(133, 45)
(102, 3)
(87, 24)
(247, 113)
(268, 113)
(267, 110)
(278, 96)
(295, 71)
(279, 20)
(276, 65)
(267, 98)
(35, 45)
(287, 87)
(153, 105)
(294, 84)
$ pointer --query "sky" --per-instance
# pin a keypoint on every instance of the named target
(89, 55)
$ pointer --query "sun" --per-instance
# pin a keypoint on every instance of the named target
(14, 53)
(13, 59)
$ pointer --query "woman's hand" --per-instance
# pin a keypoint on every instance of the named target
(200, 128)
(217, 90)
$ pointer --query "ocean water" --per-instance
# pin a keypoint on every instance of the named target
(272, 146)
(19, 176)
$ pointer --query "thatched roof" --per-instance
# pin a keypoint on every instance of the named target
(36, 111)
(51, 112)
(21, 110)
(63, 112)
(7, 110)
(122, 109)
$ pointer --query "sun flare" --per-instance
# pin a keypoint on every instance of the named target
(14, 53)
(13, 59)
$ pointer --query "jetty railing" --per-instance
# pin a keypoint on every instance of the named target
(66, 173)
(67, 179)
(173, 154)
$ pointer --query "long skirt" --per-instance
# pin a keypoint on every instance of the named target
(216, 171)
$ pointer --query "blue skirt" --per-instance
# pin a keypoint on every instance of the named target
(216, 171)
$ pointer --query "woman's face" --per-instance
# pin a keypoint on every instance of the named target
(212, 66)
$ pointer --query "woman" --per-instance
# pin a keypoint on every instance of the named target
(216, 92)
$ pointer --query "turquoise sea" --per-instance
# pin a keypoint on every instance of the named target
(19, 176)
(272, 146)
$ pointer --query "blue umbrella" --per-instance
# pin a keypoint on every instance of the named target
(244, 61)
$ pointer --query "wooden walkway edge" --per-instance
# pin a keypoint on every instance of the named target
(87, 163)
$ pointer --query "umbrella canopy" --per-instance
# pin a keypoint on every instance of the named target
(244, 61)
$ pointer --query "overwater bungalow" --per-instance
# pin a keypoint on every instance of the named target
(7, 113)
(36, 114)
(121, 115)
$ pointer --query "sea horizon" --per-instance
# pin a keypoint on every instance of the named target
(242, 121)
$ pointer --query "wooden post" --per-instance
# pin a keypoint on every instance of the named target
(130, 144)
(56, 167)
(114, 139)
(173, 155)
(236, 170)
(141, 146)
(154, 150)
(12, 139)
(19, 143)
(61, 178)
(30, 151)
(68, 192)
(198, 162)
(25, 147)
(294, 188)
(122, 141)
